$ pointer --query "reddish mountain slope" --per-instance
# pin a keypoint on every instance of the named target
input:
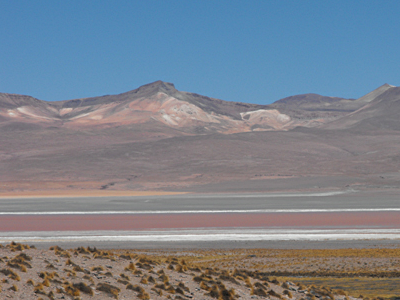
(158, 137)
(156, 103)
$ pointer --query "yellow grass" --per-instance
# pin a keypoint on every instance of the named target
(366, 286)
(216, 272)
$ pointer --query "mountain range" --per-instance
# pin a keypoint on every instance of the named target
(156, 137)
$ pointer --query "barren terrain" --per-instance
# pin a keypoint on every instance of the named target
(140, 151)
(88, 273)
(158, 138)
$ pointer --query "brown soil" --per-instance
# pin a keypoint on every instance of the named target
(87, 273)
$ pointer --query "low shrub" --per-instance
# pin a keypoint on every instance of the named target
(109, 289)
(136, 288)
(84, 288)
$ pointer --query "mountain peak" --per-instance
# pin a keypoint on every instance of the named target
(156, 86)
(387, 85)
(375, 93)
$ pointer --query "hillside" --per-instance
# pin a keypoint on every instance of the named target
(156, 137)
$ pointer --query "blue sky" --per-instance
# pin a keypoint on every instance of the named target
(248, 51)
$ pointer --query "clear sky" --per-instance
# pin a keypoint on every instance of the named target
(248, 51)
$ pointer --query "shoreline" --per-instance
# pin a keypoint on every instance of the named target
(223, 246)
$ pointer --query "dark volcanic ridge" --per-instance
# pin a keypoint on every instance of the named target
(156, 137)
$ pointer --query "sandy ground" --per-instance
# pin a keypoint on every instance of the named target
(87, 273)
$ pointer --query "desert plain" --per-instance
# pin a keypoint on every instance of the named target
(161, 194)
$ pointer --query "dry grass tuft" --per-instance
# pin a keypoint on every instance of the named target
(71, 290)
(39, 287)
(13, 288)
(144, 280)
(109, 274)
(289, 294)
(342, 293)
(227, 277)
(20, 262)
(20, 267)
(171, 290)
(248, 282)
(164, 278)
(51, 267)
(214, 291)
(82, 250)
(161, 286)
(103, 255)
(204, 286)
(11, 274)
(78, 269)
(83, 288)
(260, 285)
(17, 246)
(69, 262)
(275, 281)
(46, 282)
(224, 294)
(87, 277)
(151, 279)
(157, 291)
(130, 267)
(126, 256)
(56, 248)
(109, 289)
(258, 292)
(182, 286)
(124, 282)
(143, 296)
(51, 295)
(23, 256)
(274, 294)
(98, 269)
(136, 288)
(181, 268)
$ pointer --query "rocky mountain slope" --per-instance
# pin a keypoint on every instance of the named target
(158, 103)
(156, 137)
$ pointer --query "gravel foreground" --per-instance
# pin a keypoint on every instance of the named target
(89, 273)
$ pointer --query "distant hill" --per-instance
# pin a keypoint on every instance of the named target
(160, 104)
(156, 137)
